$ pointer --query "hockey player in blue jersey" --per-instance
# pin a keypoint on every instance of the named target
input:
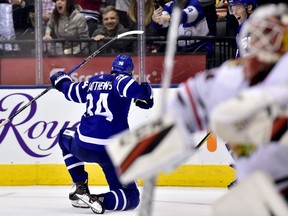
(108, 98)
(241, 9)
(193, 23)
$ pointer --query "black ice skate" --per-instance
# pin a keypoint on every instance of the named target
(93, 202)
(80, 188)
(81, 198)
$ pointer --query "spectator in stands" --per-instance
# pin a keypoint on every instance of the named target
(92, 12)
(67, 22)
(122, 7)
(209, 7)
(193, 23)
(15, 24)
(21, 21)
(241, 9)
(149, 29)
(47, 9)
(111, 27)
(230, 24)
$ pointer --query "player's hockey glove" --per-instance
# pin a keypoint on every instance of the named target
(58, 78)
(148, 89)
(144, 104)
(148, 103)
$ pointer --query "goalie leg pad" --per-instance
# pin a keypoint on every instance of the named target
(255, 196)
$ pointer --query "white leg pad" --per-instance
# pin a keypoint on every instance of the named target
(255, 196)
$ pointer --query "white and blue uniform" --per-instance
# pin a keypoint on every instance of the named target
(193, 23)
(243, 42)
(108, 98)
(245, 4)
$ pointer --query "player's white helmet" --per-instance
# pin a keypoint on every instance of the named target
(266, 33)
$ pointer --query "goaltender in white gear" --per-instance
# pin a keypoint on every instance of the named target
(248, 119)
(257, 117)
(252, 116)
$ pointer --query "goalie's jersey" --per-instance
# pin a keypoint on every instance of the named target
(108, 99)
(197, 96)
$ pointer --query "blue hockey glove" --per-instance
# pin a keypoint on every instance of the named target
(144, 104)
(148, 88)
(58, 78)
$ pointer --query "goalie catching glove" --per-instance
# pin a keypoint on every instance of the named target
(147, 103)
(58, 78)
(249, 118)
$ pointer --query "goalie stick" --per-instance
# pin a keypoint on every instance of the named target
(95, 53)
(149, 183)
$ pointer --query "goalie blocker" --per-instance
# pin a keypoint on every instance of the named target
(160, 145)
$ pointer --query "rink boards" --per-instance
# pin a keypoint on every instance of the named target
(29, 154)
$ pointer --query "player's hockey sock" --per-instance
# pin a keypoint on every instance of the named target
(119, 200)
(75, 168)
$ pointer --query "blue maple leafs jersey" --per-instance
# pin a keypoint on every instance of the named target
(108, 99)
(193, 22)
(192, 13)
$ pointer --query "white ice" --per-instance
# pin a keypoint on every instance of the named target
(53, 201)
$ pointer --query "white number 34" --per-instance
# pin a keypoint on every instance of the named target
(101, 106)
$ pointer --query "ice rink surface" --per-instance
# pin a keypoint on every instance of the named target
(53, 201)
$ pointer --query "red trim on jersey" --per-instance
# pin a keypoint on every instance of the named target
(198, 121)
(279, 128)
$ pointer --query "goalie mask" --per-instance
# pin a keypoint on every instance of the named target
(123, 64)
(266, 33)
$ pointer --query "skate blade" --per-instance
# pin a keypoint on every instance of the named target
(95, 206)
(79, 204)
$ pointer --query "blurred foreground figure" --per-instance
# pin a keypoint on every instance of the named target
(255, 121)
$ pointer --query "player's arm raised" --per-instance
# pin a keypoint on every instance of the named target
(73, 91)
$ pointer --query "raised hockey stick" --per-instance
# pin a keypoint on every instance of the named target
(95, 53)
